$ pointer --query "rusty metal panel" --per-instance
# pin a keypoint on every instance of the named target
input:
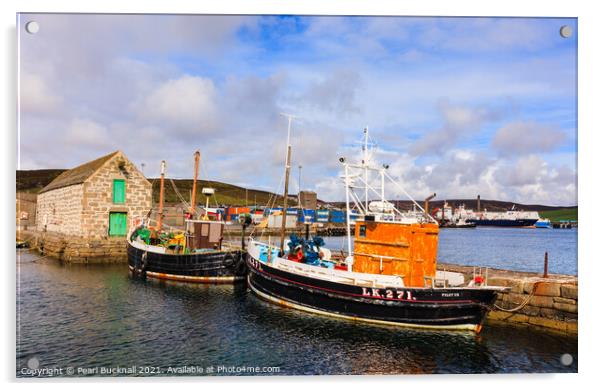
(409, 251)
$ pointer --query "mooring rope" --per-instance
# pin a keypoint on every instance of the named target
(521, 305)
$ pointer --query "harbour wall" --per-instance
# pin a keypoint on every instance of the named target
(73, 249)
(551, 302)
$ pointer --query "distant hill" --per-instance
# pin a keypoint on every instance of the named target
(225, 194)
(32, 181)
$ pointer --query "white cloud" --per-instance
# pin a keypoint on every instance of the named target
(87, 134)
(187, 103)
(188, 82)
(518, 138)
(458, 121)
(488, 34)
(335, 93)
(36, 97)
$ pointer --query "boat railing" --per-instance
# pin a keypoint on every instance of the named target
(362, 279)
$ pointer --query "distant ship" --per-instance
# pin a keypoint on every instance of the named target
(509, 218)
(543, 223)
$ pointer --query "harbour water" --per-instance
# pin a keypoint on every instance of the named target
(520, 249)
(87, 317)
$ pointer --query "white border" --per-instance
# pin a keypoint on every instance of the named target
(590, 67)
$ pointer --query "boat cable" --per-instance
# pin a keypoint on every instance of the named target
(521, 305)
(225, 231)
(270, 205)
(184, 202)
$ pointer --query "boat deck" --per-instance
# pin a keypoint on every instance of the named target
(259, 251)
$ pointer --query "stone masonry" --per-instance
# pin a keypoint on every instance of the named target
(550, 302)
(72, 214)
(97, 201)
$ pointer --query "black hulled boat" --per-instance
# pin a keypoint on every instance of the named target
(196, 254)
(389, 276)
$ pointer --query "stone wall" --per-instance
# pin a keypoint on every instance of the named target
(80, 250)
(551, 302)
(98, 196)
(60, 210)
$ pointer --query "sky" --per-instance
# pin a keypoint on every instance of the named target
(456, 106)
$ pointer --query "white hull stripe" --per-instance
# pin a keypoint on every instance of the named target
(471, 327)
(176, 277)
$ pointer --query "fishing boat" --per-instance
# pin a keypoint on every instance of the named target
(197, 254)
(389, 275)
(543, 223)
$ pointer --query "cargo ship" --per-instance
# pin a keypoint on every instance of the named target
(448, 216)
(389, 275)
(197, 254)
(510, 218)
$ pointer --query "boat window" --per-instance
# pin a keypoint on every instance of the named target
(362, 231)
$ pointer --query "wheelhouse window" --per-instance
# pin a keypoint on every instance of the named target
(362, 231)
(119, 191)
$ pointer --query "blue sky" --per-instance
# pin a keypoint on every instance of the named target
(458, 106)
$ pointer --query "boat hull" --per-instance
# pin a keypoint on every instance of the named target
(210, 267)
(452, 308)
(504, 222)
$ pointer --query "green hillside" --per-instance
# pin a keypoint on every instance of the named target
(225, 194)
(560, 214)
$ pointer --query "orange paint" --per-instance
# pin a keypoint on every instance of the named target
(407, 250)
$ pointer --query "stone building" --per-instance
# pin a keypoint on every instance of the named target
(26, 211)
(308, 200)
(96, 200)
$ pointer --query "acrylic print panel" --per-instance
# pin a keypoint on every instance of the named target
(465, 262)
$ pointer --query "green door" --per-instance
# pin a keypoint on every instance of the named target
(117, 224)
(118, 191)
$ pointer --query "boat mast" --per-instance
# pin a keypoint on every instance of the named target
(197, 157)
(160, 217)
(348, 219)
(365, 163)
(286, 175)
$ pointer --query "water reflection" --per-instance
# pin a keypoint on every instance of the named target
(82, 316)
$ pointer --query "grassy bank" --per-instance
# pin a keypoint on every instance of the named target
(560, 214)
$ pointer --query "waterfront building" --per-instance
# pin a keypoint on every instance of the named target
(95, 200)
(308, 199)
(26, 211)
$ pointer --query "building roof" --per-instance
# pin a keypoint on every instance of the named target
(78, 174)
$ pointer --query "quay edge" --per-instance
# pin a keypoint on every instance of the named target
(548, 303)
